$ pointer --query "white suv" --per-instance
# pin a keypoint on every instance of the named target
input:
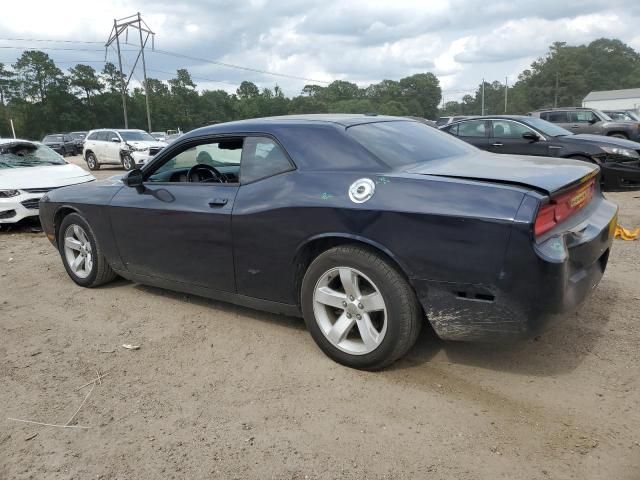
(129, 148)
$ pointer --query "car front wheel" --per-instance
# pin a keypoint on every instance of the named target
(358, 308)
(128, 163)
(81, 254)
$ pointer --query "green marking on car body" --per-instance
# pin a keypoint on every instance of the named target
(326, 196)
(382, 180)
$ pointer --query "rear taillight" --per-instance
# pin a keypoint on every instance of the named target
(563, 206)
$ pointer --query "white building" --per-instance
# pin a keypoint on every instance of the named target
(627, 99)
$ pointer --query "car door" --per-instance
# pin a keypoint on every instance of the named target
(583, 121)
(506, 137)
(180, 230)
(111, 147)
(475, 132)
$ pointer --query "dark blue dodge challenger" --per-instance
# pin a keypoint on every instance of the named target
(365, 225)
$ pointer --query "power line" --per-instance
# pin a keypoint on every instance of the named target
(48, 40)
(161, 52)
(22, 47)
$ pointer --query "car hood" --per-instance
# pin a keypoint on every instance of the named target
(546, 174)
(46, 176)
(602, 140)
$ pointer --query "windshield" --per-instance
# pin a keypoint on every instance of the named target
(78, 135)
(547, 128)
(23, 154)
(402, 143)
(52, 138)
(135, 136)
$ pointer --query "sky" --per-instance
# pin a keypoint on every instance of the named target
(460, 41)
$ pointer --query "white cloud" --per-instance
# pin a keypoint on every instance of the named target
(360, 40)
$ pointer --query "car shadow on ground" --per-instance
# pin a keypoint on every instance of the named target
(560, 348)
(219, 306)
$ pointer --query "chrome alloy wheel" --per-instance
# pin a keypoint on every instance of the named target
(350, 310)
(77, 251)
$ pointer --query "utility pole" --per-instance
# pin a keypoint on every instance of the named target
(483, 96)
(144, 73)
(122, 26)
(506, 89)
(555, 99)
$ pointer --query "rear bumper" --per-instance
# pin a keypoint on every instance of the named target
(537, 282)
(621, 176)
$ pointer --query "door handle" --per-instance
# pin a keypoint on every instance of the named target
(498, 145)
(218, 202)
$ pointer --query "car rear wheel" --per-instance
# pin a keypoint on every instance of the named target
(92, 162)
(128, 163)
(619, 135)
(358, 308)
(81, 254)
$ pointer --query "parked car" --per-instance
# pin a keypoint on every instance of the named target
(60, 142)
(619, 159)
(589, 120)
(622, 115)
(129, 148)
(383, 224)
(27, 171)
(447, 120)
(160, 136)
(78, 140)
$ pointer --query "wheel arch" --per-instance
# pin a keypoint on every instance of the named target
(308, 250)
(59, 216)
(618, 132)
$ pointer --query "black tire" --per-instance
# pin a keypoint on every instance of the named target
(128, 163)
(63, 152)
(101, 272)
(404, 315)
(619, 135)
(92, 161)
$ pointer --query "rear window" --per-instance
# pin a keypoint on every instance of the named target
(52, 138)
(402, 143)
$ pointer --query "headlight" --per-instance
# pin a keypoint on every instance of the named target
(9, 193)
(625, 152)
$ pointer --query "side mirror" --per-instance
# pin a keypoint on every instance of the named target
(532, 136)
(134, 178)
(115, 139)
(593, 120)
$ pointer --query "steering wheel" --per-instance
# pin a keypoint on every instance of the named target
(203, 173)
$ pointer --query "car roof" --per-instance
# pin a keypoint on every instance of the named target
(5, 141)
(523, 118)
(342, 120)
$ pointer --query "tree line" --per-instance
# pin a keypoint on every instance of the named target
(41, 98)
(563, 77)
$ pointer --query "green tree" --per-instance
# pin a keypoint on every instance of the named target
(84, 78)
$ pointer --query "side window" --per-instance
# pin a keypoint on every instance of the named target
(93, 136)
(108, 136)
(582, 116)
(555, 117)
(262, 158)
(218, 161)
(507, 129)
(472, 128)
(453, 129)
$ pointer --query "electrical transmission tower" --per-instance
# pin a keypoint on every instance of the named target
(121, 27)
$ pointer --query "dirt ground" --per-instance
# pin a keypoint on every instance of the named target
(219, 391)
